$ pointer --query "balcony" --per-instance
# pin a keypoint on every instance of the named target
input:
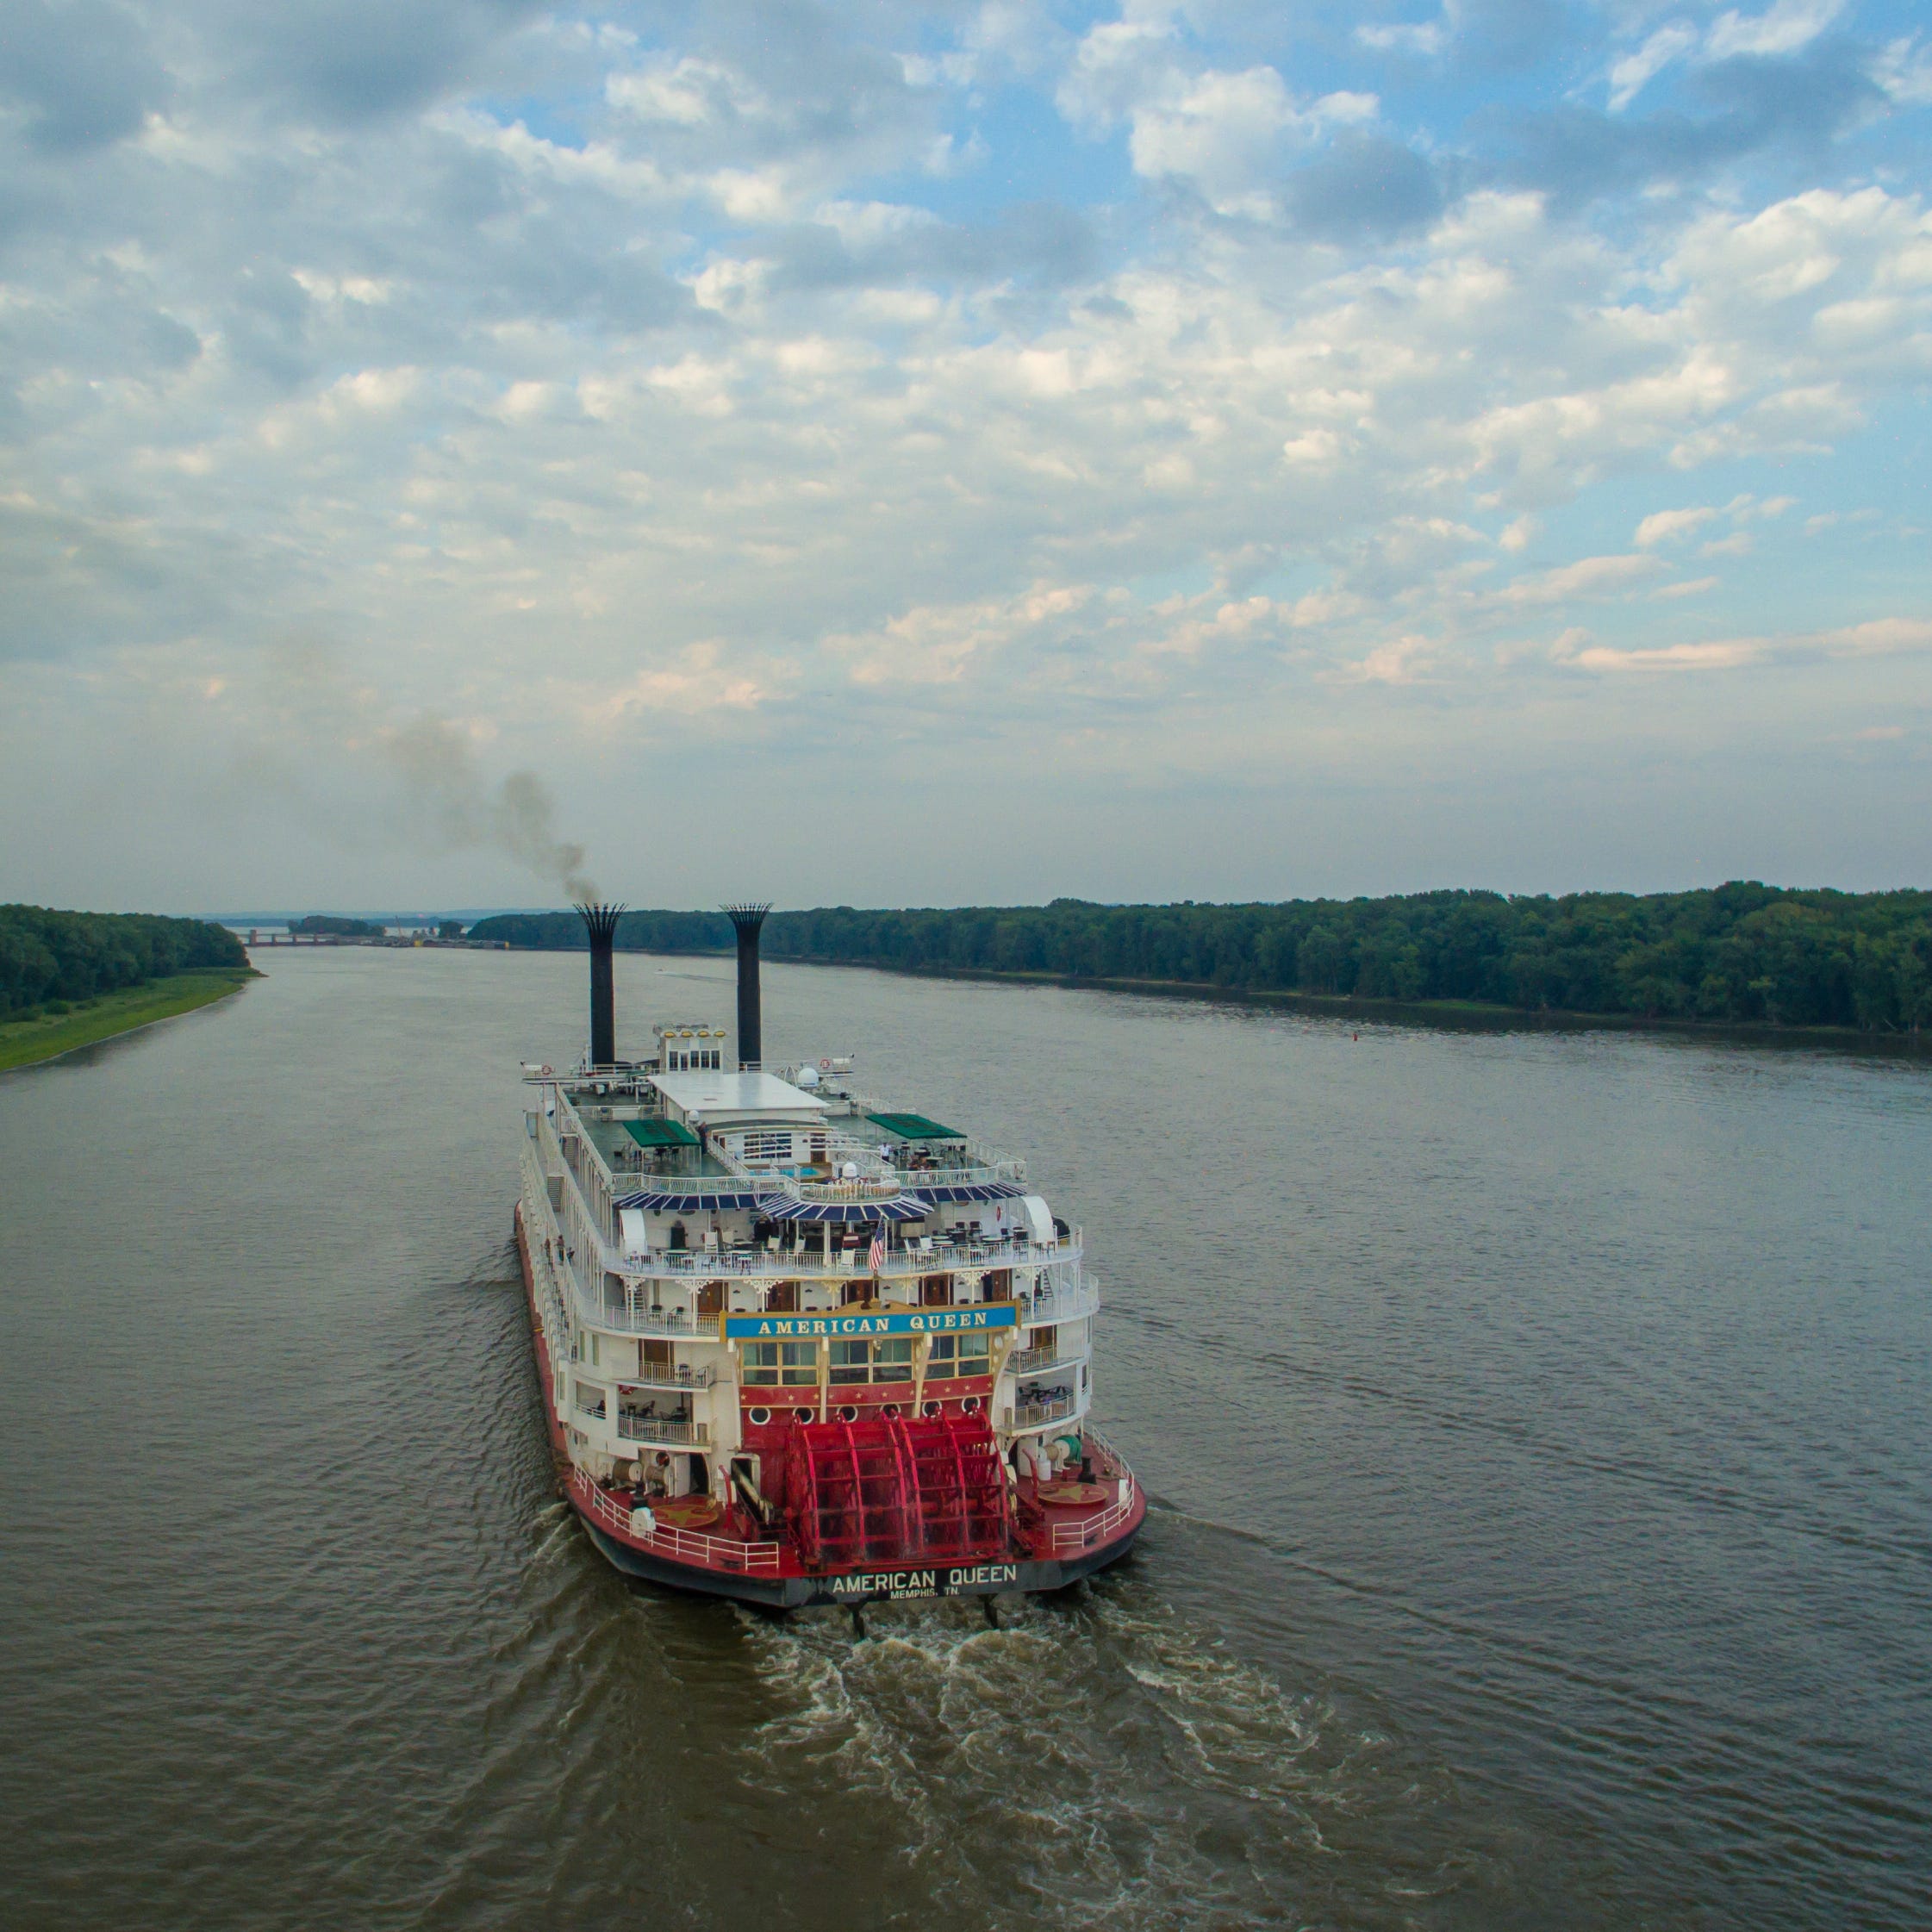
(658, 1375)
(1030, 1361)
(1058, 1306)
(636, 1425)
(1054, 1408)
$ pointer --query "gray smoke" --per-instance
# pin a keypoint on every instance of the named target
(461, 809)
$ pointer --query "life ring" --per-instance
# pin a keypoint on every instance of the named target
(546, 1066)
(825, 1066)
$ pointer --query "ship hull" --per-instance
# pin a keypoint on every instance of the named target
(864, 1586)
(1014, 1574)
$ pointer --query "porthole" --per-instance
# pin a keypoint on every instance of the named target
(890, 1412)
(801, 1415)
(933, 1409)
(847, 1413)
(757, 1417)
(971, 1406)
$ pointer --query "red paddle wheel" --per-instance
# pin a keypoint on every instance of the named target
(897, 1491)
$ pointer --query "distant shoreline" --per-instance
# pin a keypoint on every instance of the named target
(1474, 1016)
(1471, 1016)
(31, 1040)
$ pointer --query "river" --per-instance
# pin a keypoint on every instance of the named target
(1538, 1423)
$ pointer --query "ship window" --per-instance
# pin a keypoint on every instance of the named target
(768, 1147)
(793, 1363)
(885, 1361)
(959, 1354)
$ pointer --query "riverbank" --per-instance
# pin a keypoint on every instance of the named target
(1455, 1015)
(1458, 1015)
(26, 1041)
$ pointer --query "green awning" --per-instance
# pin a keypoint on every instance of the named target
(913, 1127)
(660, 1133)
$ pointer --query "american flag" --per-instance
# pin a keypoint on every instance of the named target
(876, 1254)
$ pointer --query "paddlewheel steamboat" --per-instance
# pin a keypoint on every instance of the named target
(797, 1346)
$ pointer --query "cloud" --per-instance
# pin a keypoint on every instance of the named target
(84, 74)
(1881, 637)
(1589, 576)
(1787, 27)
(1782, 28)
(788, 378)
(1224, 133)
(1732, 109)
(1662, 526)
(1422, 37)
(1366, 185)
(1631, 75)
(353, 62)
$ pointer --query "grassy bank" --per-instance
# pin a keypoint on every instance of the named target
(41, 1035)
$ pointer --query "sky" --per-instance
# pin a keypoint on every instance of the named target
(467, 453)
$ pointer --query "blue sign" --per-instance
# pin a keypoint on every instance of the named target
(913, 1321)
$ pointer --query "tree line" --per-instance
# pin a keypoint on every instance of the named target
(48, 955)
(1740, 953)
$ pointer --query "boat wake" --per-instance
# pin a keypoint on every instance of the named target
(1097, 1760)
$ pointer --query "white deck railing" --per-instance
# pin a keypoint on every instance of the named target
(658, 1375)
(1031, 1415)
(785, 1264)
(1059, 1306)
(683, 1546)
(1097, 1528)
(680, 1432)
(1040, 1361)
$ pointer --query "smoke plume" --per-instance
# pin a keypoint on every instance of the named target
(308, 723)
(462, 810)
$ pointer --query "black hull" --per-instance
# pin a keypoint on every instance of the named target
(925, 1582)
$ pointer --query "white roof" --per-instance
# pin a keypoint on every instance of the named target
(719, 1096)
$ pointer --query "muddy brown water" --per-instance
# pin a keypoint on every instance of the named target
(1538, 1423)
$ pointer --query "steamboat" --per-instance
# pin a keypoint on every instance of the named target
(798, 1346)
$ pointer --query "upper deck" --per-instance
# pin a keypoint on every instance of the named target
(698, 1143)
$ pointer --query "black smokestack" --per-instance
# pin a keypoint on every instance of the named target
(601, 923)
(750, 1030)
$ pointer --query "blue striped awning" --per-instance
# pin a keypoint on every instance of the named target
(687, 1203)
(901, 1207)
(978, 1190)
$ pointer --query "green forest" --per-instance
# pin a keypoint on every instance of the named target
(1741, 953)
(333, 922)
(49, 958)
